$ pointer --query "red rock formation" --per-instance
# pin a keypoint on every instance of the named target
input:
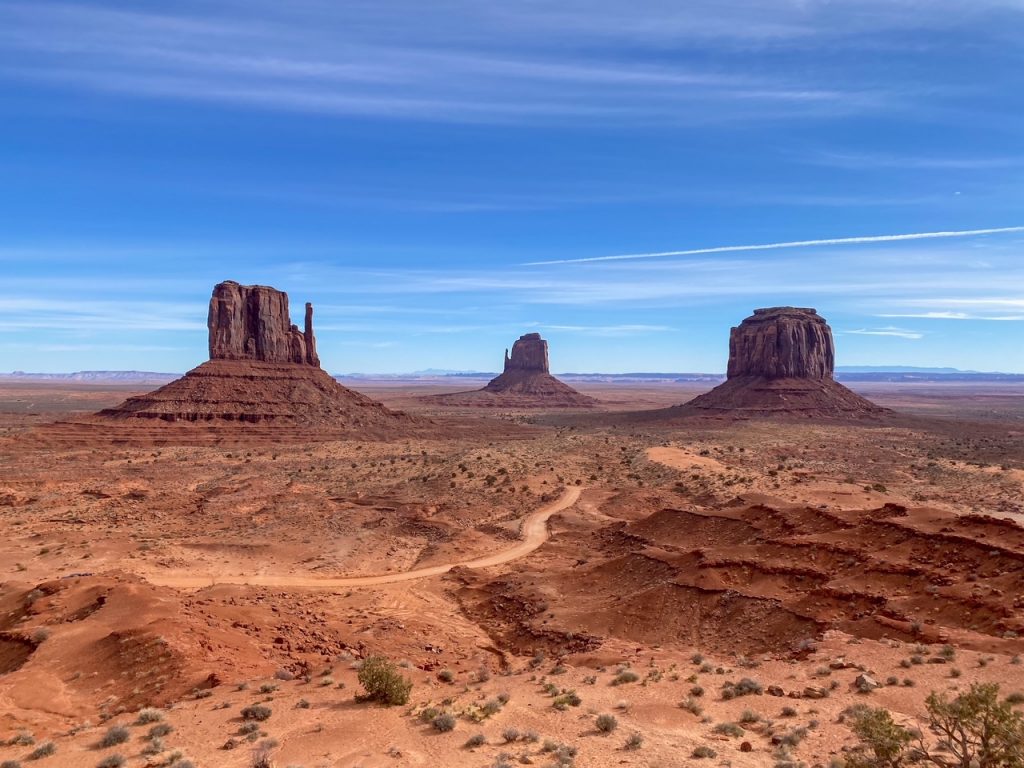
(261, 369)
(782, 343)
(529, 353)
(525, 383)
(781, 361)
(251, 322)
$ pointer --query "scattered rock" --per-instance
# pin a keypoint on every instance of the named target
(865, 683)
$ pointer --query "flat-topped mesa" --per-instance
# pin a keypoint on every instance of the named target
(782, 343)
(529, 353)
(252, 322)
(781, 361)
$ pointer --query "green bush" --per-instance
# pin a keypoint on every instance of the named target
(383, 682)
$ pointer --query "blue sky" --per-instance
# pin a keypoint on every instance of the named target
(406, 165)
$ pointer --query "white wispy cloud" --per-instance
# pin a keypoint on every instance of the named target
(788, 244)
(952, 316)
(874, 160)
(901, 333)
(623, 329)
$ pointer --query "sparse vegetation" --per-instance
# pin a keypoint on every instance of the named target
(383, 682)
(118, 734)
(258, 712)
(444, 722)
(606, 723)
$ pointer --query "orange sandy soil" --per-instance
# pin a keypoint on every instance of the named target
(795, 554)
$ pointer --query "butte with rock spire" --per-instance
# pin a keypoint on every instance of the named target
(262, 369)
(525, 382)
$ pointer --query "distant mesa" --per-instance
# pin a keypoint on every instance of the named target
(526, 382)
(262, 368)
(781, 361)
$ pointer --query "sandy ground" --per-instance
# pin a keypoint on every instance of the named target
(202, 578)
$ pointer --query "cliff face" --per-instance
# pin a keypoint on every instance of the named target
(529, 353)
(781, 361)
(251, 322)
(782, 343)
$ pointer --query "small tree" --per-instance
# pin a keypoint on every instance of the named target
(885, 743)
(383, 682)
(976, 730)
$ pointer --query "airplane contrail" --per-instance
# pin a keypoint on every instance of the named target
(791, 244)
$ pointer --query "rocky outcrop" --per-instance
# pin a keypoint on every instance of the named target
(262, 369)
(781, 361)
(524, 383)
(529, 353)
(782, 343)
(251, 322)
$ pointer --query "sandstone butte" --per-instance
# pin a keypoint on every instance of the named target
(262, 369)
(781, 361)
(525, 382)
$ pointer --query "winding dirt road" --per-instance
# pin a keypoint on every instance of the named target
(534, 532)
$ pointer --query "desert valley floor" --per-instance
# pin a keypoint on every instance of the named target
(719, 587)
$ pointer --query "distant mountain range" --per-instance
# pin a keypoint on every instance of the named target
(851, 373)
(98, 377)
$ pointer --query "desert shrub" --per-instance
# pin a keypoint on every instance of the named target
(692, 706)
(1015, 698)
(302, 704)
(155, 747)
(606, 723)
(504, 697)
(728, 729)
(261, 757)
(635, 741)
(745, 687)
(788, 712)
(22, 739)
(111, 761)
(116, 735)
(160, 729)
(696, 691)
(976, 727)
(491, 707)
(476, 740)
(625, 676)
(749, 716)
(444, 722)
(268, 688)
(531, 737)
(703, 751)
(10, 764)
(566, 700)
(383, 682)
(149, 715)
(446, 676)
(45, 749)
(510, 735)
(258, 712)
(429, 714)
